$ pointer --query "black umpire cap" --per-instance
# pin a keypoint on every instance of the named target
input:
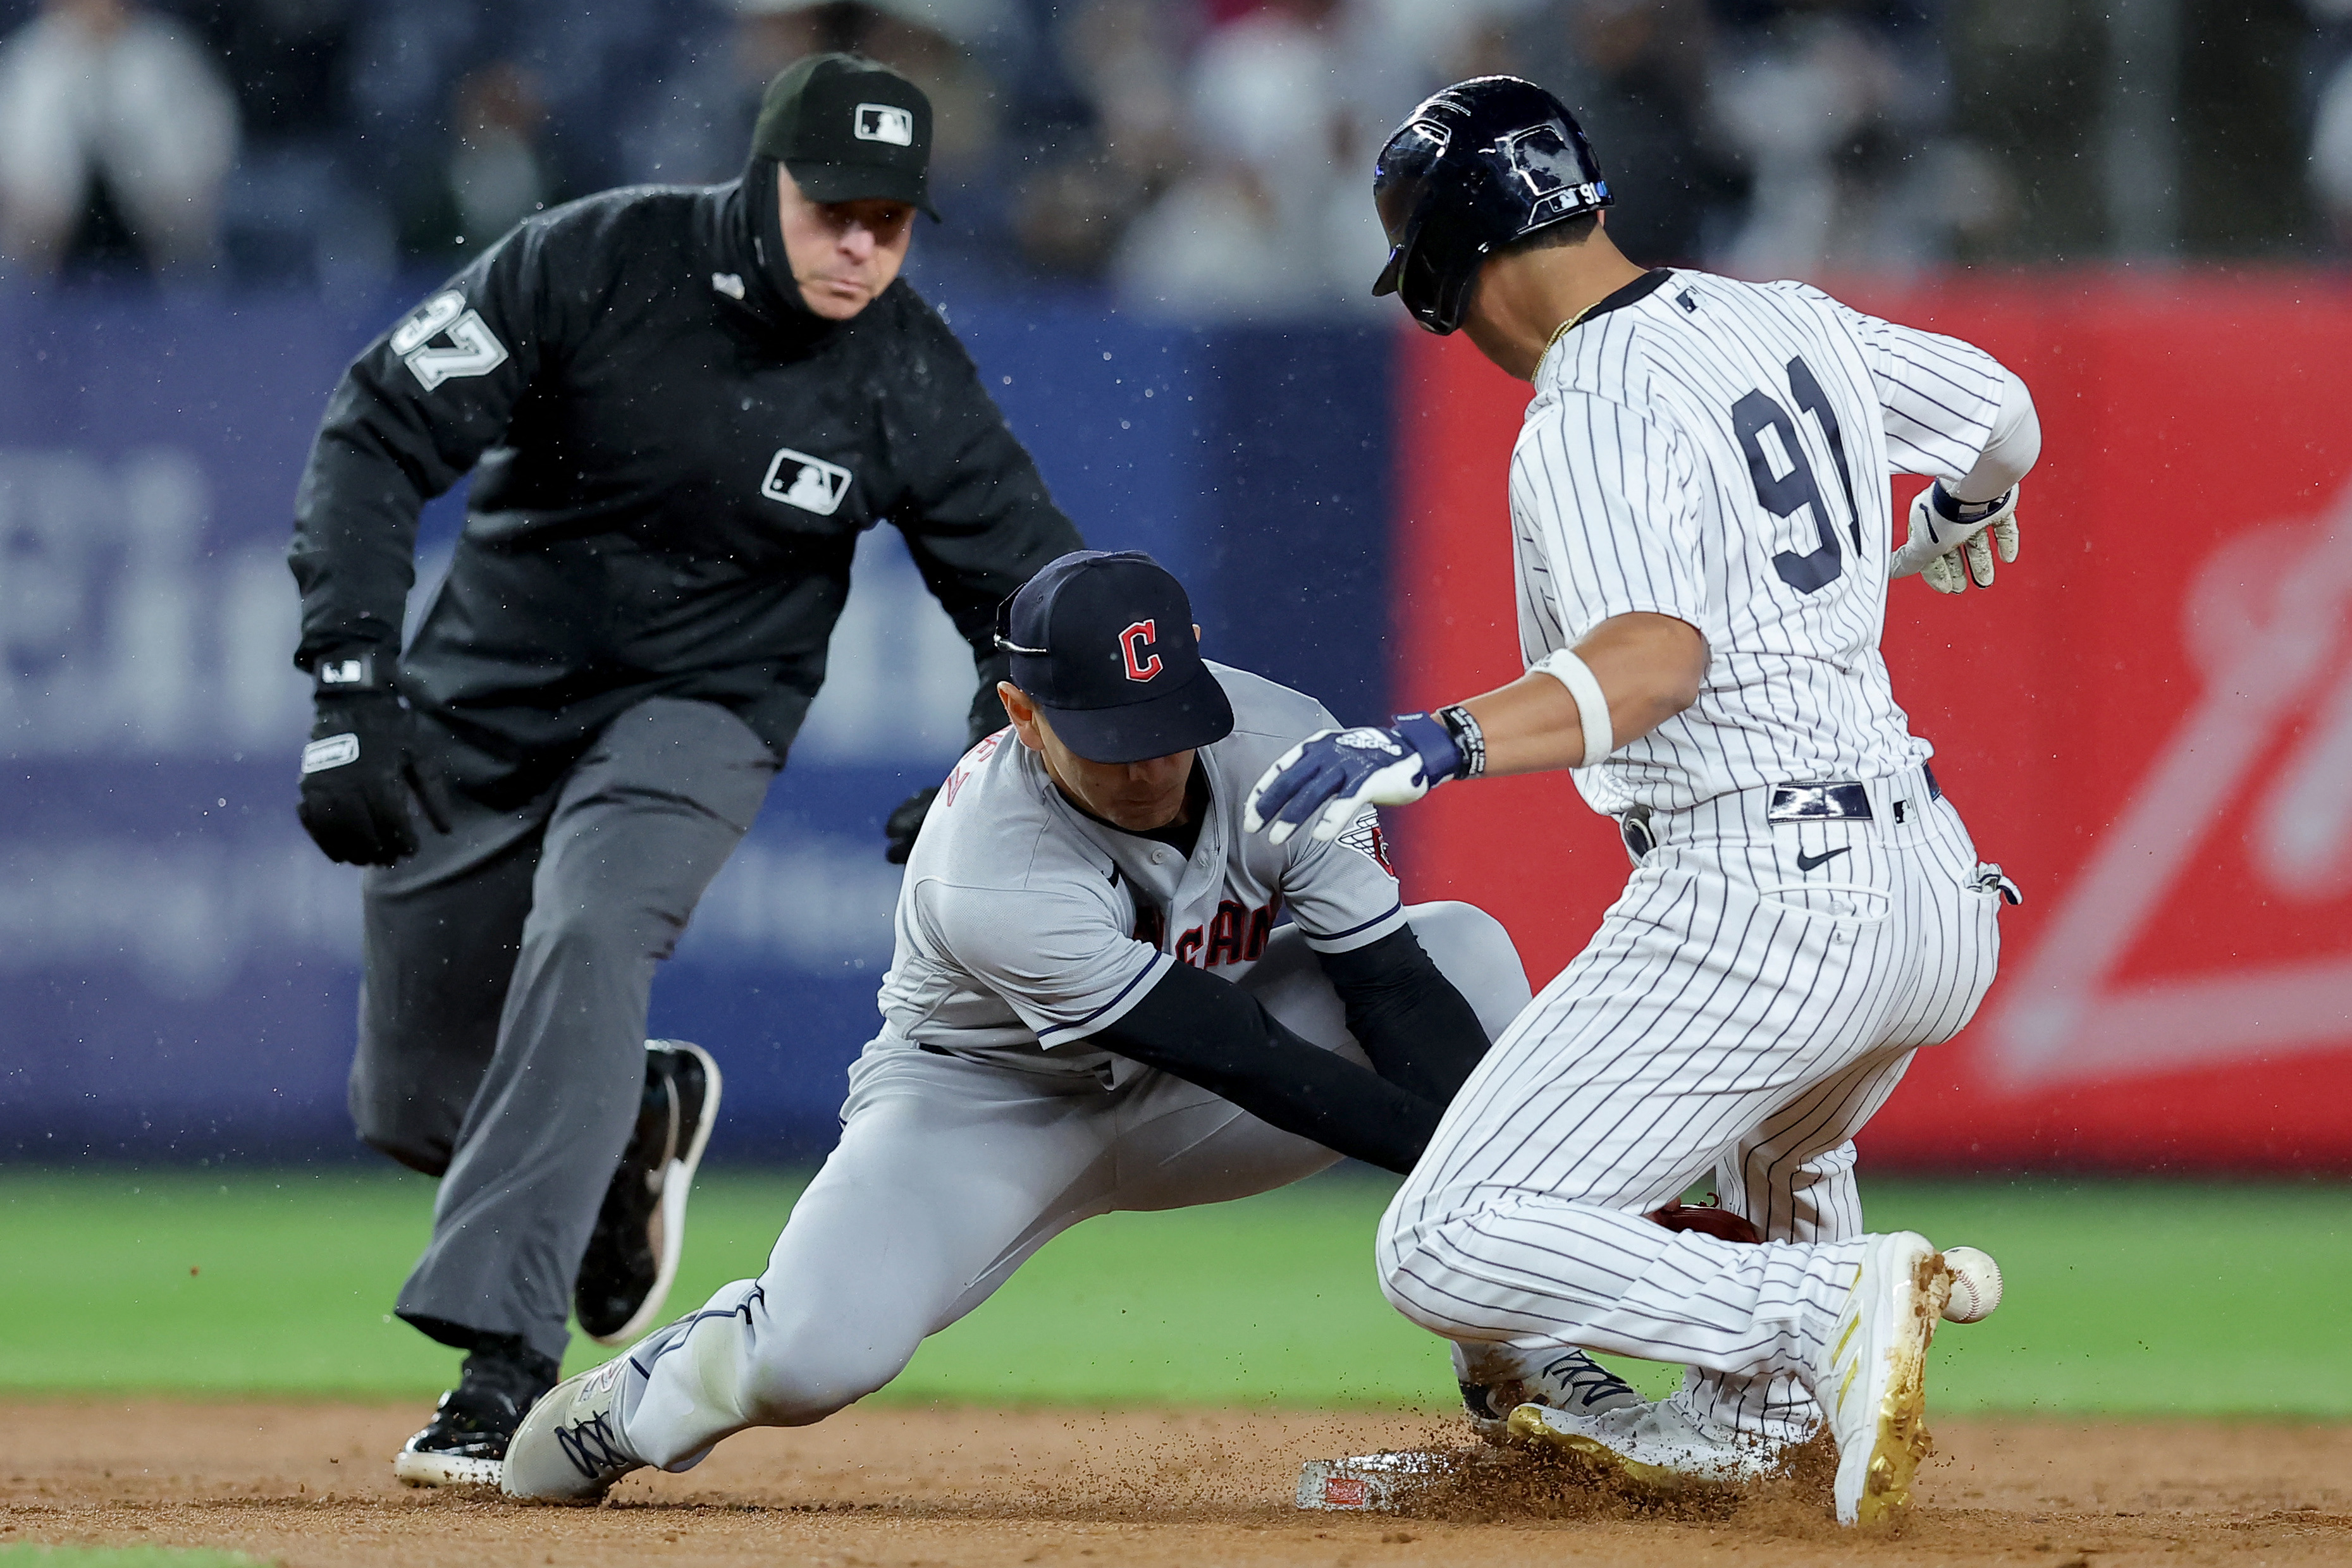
(1102, 642)
(849, 129)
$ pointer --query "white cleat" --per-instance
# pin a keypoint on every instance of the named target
(1653, 1445)
(1496, 1379)
(415, 1467)
(570, 1447)
(1871, 1381)
(466, 1442)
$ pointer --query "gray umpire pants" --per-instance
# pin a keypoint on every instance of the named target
(950, 1174)
(509, 965)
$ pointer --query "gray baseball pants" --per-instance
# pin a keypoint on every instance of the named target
(950, 1174)
(509, 965)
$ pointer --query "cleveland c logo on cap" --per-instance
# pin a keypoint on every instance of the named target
(1143, 634)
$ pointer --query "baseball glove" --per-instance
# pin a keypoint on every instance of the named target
(1709, 1219)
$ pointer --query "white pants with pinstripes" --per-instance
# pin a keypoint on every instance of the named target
(1735, 1021)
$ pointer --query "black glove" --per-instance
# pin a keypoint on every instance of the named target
(358, 773)
(898, 831)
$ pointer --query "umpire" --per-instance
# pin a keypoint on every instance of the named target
(680, 407)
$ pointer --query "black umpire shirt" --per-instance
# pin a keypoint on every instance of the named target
(673, 460)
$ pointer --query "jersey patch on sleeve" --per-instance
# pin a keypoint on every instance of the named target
(1365, 838)
(473, 349)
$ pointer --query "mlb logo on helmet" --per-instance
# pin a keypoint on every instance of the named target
(885, 122)
(1545, 160)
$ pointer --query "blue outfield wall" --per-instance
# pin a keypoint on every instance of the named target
(178, 967)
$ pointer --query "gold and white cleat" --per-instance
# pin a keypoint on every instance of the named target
(1872, 1379)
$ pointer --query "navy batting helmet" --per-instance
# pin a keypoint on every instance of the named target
(1484, 163)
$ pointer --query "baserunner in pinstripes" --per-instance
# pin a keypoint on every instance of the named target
(1701, 531)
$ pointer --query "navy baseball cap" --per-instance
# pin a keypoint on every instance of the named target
(1102, 642)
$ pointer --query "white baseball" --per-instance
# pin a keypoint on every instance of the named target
(1976, 1285)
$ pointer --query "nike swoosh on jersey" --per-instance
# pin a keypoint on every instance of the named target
(1807, 862)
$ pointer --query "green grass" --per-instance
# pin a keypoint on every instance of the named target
(31, 1556)
(2145, 1297)
(2122, 1297)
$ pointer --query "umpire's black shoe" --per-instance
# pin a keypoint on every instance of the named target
(465, 1445)
(633, 1254)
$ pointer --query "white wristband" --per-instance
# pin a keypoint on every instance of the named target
(1591, 702)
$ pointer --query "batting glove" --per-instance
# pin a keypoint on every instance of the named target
(1332, 775)
(361, 769)
(1945, 532)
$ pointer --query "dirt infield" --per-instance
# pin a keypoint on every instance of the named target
(309, 1484)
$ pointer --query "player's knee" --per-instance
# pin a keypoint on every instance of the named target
(1473, 951)
(1464, 922)
(417, 1134)
(427, 1159)
(1405, 1271)
(1470, 939)
(1407, 1284)
(1416, 1261)
(797, 1378)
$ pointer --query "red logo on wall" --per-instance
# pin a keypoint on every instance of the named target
(2245, 803)
(1143, 634)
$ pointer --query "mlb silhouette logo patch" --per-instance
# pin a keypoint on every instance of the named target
(885, 122)
(812, 483)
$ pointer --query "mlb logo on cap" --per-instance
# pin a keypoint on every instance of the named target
(885, 122)
(848, 130)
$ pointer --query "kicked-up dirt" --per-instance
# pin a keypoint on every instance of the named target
(311, 1484)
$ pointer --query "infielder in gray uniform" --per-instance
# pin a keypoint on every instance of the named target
(1091, 1007)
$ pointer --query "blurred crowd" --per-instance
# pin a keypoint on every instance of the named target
(1203, 156)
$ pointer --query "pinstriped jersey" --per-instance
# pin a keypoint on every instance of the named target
(1719, 452)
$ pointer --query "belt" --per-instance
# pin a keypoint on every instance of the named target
(1832, 800)
(1835, 800)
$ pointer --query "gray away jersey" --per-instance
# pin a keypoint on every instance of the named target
(1719, 451)
(1024, 925)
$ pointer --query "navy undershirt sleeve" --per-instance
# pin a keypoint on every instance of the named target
(1208, 1031)
(1421, 1034)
